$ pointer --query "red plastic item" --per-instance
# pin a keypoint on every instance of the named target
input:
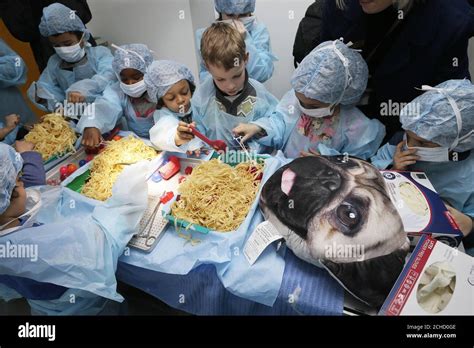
(63, 170)
(218, 145)
(166, 197)
(171, 168)
(71, 168)
(188, 170)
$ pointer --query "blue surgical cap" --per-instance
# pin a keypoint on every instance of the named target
(235, 6)
(58, 19)
(161, 75)
(332, 73)
(133, 56)
(10, 165)
(431, 116)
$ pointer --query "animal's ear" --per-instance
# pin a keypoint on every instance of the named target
(370, 280)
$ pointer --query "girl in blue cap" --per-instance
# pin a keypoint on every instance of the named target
(125, 98)
(439, 140)
(318, 116)
(171, 85)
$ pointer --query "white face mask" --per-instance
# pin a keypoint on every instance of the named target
(135, 90)
(33, 205)
(317, 113)
(430, 154)
(71, 54)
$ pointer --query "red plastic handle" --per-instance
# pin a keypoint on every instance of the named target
(201, 136)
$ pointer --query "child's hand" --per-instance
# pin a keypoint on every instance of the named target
(247, 130)
(11, 121)
(403, 159)
(91, 137)
(28, 126)
(75, 97)
(24, 146)
(463, 221)
(183, 133)
(310, 153)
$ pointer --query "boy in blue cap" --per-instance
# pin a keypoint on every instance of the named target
(77, 72)
(257, 39)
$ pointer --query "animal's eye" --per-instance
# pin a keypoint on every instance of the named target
(348, 215)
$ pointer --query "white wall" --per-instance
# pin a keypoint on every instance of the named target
(164, 25)
(160, 24)
(282, 18)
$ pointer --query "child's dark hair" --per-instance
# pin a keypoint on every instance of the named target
(161, 103)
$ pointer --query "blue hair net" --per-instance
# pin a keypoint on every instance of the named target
(235, 6)
(162, 74)
(432, 117)
(58, 19)
(133, 56)
(332, 73)
(10, 165)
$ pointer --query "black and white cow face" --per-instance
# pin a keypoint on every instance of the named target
(324, 203)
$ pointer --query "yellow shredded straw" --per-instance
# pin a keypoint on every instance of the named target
(52, 136)
(105, 168)
(218, 196)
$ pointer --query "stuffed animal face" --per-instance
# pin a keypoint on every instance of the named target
(324, 203)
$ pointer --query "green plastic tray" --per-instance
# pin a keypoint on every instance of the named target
(78, 183)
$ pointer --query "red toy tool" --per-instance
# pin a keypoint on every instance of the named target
(218, 145)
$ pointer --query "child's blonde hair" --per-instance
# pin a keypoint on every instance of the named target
(222, 45)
